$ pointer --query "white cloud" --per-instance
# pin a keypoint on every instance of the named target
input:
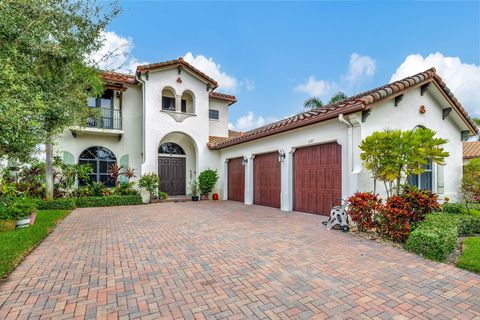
(248, 84)
(115, 54)
(317, 88)
(462, 78)
(250, 121)
(360, 67)
(213, 70)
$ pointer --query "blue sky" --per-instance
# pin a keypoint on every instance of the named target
(273, 55)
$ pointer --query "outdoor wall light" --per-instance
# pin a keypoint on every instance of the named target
(244, 161)
(281, 155)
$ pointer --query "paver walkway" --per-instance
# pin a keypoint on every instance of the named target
(219, 260)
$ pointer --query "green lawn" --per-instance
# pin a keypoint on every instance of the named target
(470, 258)
(16, 244)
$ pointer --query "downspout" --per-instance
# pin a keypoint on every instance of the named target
(138, 76)
(342, 119)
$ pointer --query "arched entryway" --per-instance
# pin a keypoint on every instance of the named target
(100, 159)
(176, 163)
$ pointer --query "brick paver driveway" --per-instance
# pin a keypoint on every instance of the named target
(226, 260)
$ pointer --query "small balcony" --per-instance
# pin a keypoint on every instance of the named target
(106, 119)
(107, 122)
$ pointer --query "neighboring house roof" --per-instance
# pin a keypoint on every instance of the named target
(233, 133)
(175, 64)
(471, 150)
(222, 96)
(359, 102)
(109, 76)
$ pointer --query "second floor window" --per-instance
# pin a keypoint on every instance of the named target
(105, 101)
(213, 114)
(168, 103)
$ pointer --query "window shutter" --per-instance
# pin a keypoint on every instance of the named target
(440, 179)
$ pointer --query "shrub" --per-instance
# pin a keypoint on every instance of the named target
(436, 237)
(207, 180)
(125, 189)
(150, 181)
(395, 220)
(471, 181)
(97, 189)
(420, 202)
(108, 201)
(456, 208)
(57, 204)
(434, 242)
(363, 208)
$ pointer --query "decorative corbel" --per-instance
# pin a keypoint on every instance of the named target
(465, 134)
(179, 70)
(424, 88)
(365, 114)
(446, 112)
(398, 99)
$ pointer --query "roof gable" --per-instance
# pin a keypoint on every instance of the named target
(177, 63)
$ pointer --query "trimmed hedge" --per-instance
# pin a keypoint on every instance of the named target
(436, 237)
(108, 201)
(57, 204)
(83, 202)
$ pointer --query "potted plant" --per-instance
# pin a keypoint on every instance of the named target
(194, 189)
(149, 181)
(22, 211)
(206, 181)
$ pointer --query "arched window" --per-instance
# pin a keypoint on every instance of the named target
(170, 148)
(168, 99)
(188, 102)
(100, 158)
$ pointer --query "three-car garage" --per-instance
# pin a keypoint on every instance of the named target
(316, 178)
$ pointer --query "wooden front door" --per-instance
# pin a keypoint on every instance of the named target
(171, 172)
(266, 180)
(317, 177)
(236, 180)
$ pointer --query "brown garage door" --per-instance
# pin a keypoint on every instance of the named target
(317, 177)
(266, 180)
(236, 180)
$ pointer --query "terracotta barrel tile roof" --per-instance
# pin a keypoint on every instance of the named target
(223, 96)
(353, 104)
(471, 150)
(176, 63)
(109, 76)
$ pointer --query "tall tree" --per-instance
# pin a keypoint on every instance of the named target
(312, 103)
(338, 97)
(56, 38)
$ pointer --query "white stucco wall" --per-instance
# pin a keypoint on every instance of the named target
(219, 128)
(405, 117)
(324, 132)
(159, 124)
(130, 144)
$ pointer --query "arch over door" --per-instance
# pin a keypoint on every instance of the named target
(236, 180)
(266, 180)
(317, 177)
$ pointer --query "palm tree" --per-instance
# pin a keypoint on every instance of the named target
(338, 96)
(312, 103)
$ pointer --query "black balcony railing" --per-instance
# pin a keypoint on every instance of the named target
(106, 119)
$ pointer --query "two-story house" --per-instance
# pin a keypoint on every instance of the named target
(168, 118)
(159, 120)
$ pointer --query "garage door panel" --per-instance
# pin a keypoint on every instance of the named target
(266, 179)
(317, 177)
(236, 180)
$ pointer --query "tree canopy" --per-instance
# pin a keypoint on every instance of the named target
(45, 45)
(338, 97)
